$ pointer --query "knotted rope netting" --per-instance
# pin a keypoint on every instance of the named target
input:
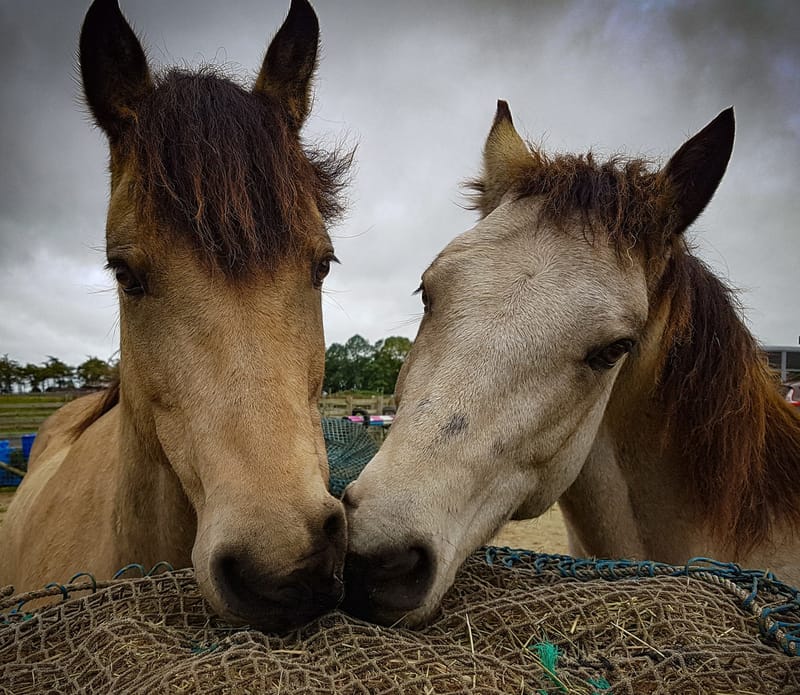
(350, 447)
(514, 622)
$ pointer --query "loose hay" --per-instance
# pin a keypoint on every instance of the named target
(661, 634)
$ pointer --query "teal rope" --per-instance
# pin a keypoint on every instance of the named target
(127, 568)
(65, 589)
(60, 587)
(89, 575)
(163, 565)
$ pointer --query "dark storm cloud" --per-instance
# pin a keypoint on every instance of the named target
(414, 84)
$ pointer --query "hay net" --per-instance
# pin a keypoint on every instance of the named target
(350, 447)
(514, 622)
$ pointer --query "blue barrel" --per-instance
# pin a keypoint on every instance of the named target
(7, 478)
(27, 443)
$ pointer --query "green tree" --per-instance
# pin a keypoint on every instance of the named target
(34, 375)
(387, 359)
(337, 369)
(359, 355)
(58, 373)
(10, 374)
(94, 372)
(359, 366)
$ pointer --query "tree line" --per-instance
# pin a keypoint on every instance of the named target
(54, 375)
(356, 365)
(359, 365)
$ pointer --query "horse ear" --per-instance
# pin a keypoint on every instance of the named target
(503, 151)
(113, 67)
(290, 62)
(696, 169)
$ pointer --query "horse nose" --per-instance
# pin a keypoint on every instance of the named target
(239, 581)
(277, 603)
(384, 586)
(252, 593)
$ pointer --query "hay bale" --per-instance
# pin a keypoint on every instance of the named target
(662, 634)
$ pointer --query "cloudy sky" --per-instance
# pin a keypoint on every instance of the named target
(414, 85)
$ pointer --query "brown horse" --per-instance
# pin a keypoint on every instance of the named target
(209, 452)
(574, 349)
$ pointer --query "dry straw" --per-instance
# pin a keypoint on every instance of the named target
(519, 629)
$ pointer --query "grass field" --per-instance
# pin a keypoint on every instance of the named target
(23, 413)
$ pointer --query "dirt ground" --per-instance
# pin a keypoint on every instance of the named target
(545, 534)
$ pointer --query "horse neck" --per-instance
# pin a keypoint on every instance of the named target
(153, 517)
(705, 446)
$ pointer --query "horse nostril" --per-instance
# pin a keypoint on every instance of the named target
(238, 582)
(333, 528)
(253, 594)
(385, 585)
(407, 563)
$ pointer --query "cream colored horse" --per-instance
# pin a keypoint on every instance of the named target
(210, 451)
(573, 349)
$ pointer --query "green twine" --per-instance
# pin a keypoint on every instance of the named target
(548, 658)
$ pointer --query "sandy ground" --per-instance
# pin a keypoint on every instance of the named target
(545, 534)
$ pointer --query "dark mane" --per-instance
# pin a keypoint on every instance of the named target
(222, 165)
(621, 198)
(740, 441)
(106, 402)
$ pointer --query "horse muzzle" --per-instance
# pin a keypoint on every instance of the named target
(248, 594)
(390, 585)
(273, 579)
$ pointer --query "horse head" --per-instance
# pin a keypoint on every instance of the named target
(216, 235)
(529, 320)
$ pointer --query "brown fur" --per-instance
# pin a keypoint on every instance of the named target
(740, 442)
(223, 166)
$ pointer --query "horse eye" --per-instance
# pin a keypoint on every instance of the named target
(608, 356)
(127, 280)
(426, 302)
(321, 271)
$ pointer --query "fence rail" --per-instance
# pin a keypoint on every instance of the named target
(339, 406)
